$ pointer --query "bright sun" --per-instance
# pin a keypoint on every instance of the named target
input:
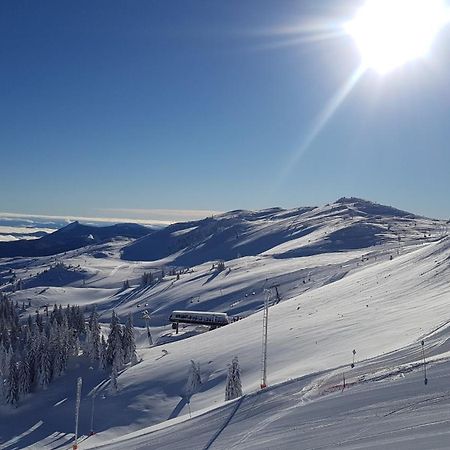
(390, 33)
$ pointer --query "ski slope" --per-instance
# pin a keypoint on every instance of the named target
(395, 413)
(385, 403)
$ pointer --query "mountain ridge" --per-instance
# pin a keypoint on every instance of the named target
(348, 223)
(73, 236)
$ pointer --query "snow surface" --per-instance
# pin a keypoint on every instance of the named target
(348, 283)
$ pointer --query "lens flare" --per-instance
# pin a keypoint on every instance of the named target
(389, 33)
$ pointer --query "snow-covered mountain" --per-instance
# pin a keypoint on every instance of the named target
(70, 237)
(352, 275)
(349, 223)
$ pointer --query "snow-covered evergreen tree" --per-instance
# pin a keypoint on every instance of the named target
(233, 387)
(24, 378)
(146, 279)
(39, 321)
(93, 338)
(12, 385)
(129, 343)
(114, 341)
(117, 366)
(57, 349)
(31, 355)
(103, 362)
(5, 358)
(5, 361)
(44, 372)
(114, 386)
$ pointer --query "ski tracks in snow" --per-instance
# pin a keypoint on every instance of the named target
(227, 421)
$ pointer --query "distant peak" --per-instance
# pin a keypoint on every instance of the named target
(350, 200)
(71, 226)
(372, 208)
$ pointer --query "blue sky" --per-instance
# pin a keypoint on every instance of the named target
(109, 106)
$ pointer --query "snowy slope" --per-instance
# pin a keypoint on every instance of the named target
(397, 412)
(344, 225)
(349, 283)
(404, 307)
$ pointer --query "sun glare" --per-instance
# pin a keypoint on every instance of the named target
(390, 33)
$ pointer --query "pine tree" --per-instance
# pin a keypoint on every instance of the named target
(65, 346)
(116, 368)
(39, 321)
(129, 343)
(146, 279)
(44, 371)
(31, 355)
(113, 378)
(5, 359)
(76, 344)
(24, 378)
(56, 343)
(12, 384)
(233, 387)
(79, 323)
(103, 362)
(114, 340)
(93, 337)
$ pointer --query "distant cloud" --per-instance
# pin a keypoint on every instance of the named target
(36, 220)
(167, 215)
(156, 217)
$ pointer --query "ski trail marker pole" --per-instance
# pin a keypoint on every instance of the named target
(146, 317)
(77, 411)
(425, 379)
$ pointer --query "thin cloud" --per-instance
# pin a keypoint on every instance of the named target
(35, 219)
(171, 215)
(157, 217)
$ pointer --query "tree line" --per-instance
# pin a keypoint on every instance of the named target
(35, 351)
